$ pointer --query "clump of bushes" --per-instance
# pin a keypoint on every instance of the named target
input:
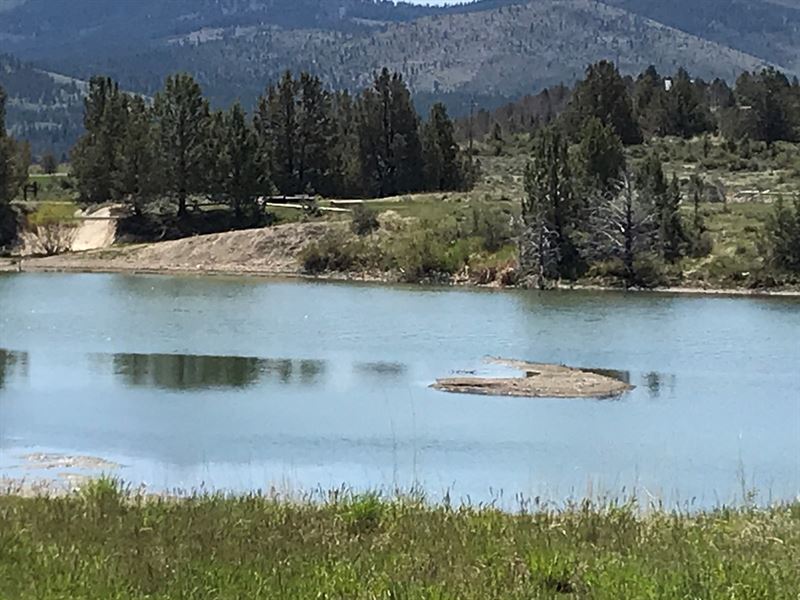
(494, 226)
(336, 251)
(365, 220)
(426, 255)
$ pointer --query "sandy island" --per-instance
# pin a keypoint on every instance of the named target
(538, 381)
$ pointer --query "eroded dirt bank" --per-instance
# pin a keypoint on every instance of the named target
(269, 251)
(538, 381)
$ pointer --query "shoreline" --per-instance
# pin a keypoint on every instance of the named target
(32, 265)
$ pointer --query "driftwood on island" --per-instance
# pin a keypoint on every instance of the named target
(538, 381)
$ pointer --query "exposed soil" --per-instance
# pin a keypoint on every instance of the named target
(268, 251)
(538, 381)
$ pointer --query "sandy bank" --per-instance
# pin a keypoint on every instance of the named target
(267, 252)
(538, 381)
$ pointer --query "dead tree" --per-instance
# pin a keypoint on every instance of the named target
(623, 226)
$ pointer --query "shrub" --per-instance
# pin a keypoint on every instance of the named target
(494, 226)
(53, 226)
(426, 254)
(337, 252)
(365, 220)
(650, 271)
(701, 245)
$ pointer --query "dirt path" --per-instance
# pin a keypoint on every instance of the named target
(538, 381)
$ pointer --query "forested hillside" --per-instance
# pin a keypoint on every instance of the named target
(485, 53)
(44, 109)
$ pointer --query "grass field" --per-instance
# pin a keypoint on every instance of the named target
(102, 543)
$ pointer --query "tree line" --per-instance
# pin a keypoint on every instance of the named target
(301, 138)
(761, 106)
(585, 206)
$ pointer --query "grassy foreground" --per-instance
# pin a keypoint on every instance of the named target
(102, 543)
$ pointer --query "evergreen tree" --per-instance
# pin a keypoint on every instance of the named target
(389, 146)
(441, 157)
(49, 163)
(346, 160)
(182, 118)
(603, 94)
(14, 162)
(783, 235)
(216, 161)
(648, 101)
(672, 233)
(242, 175)
(599, 159)
(315, 137)
(685, 113)
(279, 115)
(96, 157)
(139, 177)
(767, 107)
(666, 199)
(547, 250)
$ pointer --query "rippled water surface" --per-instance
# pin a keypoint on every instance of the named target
(246, 384)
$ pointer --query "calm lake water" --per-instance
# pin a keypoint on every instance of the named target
(245, 384)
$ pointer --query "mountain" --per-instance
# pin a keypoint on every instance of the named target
(767, 29)
(44, 108)
(486, 52)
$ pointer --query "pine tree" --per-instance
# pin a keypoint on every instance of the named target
(767, 107)
(242, 176)
(442, 161)
(182, 118)
(346, 160)
(783, 236)
(648, 101)
(665, 198)
(315, 136)
(547, 250)
(604, 95)
(599, 159)
(685, 113)
(14, 163)
(96, 156)
(216, 161)
(49, 163)
(389, 146)
(279, 114)
(139, 176)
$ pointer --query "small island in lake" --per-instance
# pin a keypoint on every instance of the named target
(538, 381)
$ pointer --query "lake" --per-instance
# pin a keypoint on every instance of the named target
(244, 384)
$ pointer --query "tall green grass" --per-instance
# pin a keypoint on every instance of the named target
(107, 543)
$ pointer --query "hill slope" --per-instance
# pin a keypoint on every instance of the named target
(491, 50)
(43, 108)
(505, 51)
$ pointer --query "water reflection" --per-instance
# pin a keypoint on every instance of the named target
(184, 372)
(657, 383)
(381, 369)
(11, 362)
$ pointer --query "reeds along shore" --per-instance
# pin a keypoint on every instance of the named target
(105, 543)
